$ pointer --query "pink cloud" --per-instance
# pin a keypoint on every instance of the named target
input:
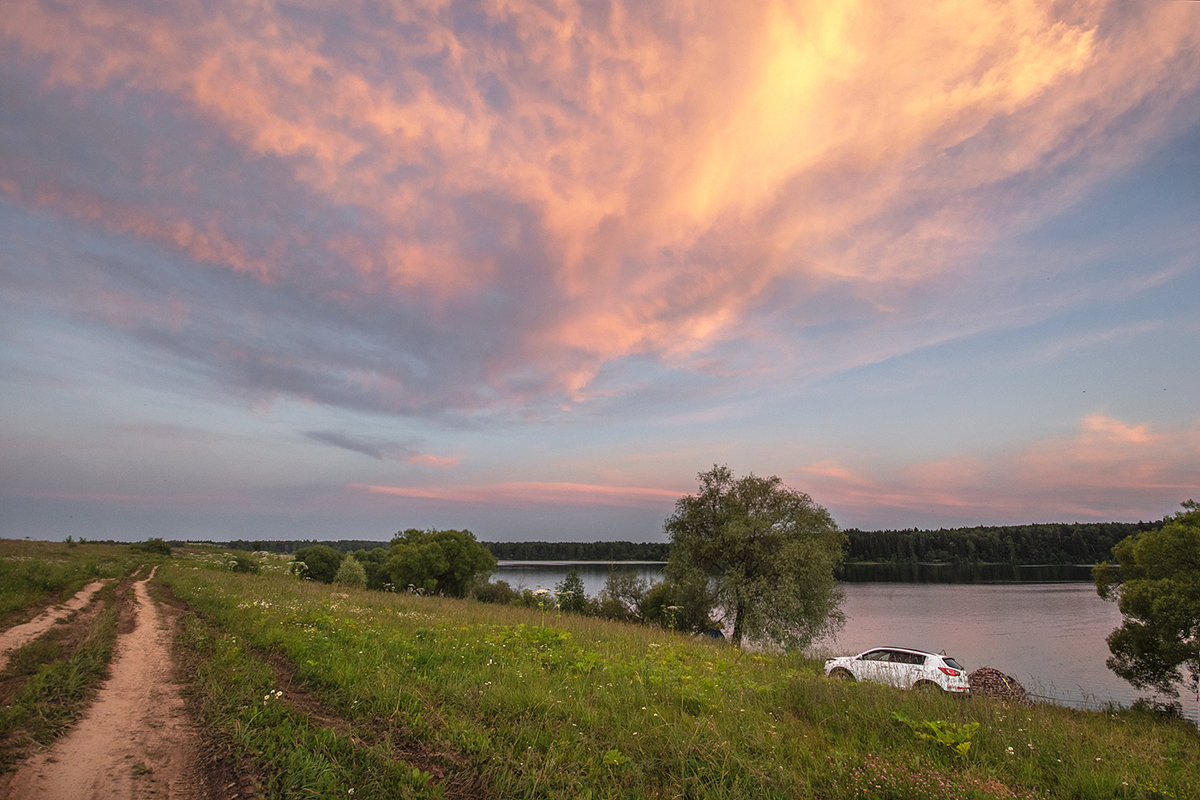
(437, 462)
(678, 165)
(533, 493)
(1109, 470)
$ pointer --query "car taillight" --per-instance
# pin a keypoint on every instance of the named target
(953, 673)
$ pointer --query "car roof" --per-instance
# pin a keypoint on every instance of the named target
(904, 650)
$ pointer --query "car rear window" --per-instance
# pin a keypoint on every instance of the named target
(952, 664)
(908, 658)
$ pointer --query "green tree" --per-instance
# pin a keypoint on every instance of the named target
(767, 551)
(571, 595)
(1156, 583)
(374, 564)
(438, 562)
(320, 561)
(351, 573)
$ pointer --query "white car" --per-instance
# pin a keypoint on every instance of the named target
(902, 667)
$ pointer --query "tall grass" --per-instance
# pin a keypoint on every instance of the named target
(415, 696)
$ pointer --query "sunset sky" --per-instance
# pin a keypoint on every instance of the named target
(333, 270)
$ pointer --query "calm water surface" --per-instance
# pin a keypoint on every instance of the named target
(1049, 636)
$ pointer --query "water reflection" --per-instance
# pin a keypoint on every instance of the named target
(965, 573)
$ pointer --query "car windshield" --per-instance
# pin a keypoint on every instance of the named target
(952, 664)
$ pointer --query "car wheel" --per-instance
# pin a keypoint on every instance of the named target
(842, 674)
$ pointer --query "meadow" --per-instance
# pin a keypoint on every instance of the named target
(315, 690)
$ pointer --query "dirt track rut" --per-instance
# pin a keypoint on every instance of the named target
(135, 741)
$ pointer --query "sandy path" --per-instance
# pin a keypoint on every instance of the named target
(134, 742)
(23, 634)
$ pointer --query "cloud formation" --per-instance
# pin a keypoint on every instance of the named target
(1109, 469)
(518, 253)
(500, 199)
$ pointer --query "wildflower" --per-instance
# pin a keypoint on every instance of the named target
(1011, 751)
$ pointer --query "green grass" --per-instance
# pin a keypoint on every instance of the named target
(35, 574)
(404, 696)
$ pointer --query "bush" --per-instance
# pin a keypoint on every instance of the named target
(245, 563)
(351, 573)
(320, 561)
(499, 592)
(570, 594)
(155, 546)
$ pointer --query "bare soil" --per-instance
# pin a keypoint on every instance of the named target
(136, 740)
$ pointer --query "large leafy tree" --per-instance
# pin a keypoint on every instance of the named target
(1156, 583)
(438, 562)
(767, 551)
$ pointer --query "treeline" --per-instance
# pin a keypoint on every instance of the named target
(579, 551)
(1044, 543)
(289, 546)
(504, 551)
(1050, 543)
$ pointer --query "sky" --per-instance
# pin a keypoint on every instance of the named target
(335, 270)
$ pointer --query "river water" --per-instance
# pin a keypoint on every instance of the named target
(1049, 635)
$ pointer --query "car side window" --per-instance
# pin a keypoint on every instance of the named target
(875, 655)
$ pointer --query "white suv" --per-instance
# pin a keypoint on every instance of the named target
(899, 666)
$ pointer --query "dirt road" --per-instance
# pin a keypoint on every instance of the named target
(135, 741)
(21, 635)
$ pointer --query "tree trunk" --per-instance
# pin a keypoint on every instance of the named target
(738, 613)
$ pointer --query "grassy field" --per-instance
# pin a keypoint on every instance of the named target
(406, 696)
(37, 573)
(322, 691)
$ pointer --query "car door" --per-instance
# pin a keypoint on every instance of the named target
(873, 666)
(897, 667)
(908, 668)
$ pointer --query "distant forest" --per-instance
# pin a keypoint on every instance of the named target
(1050, 543)
(1047, 543)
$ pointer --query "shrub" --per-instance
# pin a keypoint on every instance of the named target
(155, 546)
(244, 563)
(351, 573)
(497, 592)
(321, 562)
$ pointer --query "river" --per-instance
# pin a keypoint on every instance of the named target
(1048, 634)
